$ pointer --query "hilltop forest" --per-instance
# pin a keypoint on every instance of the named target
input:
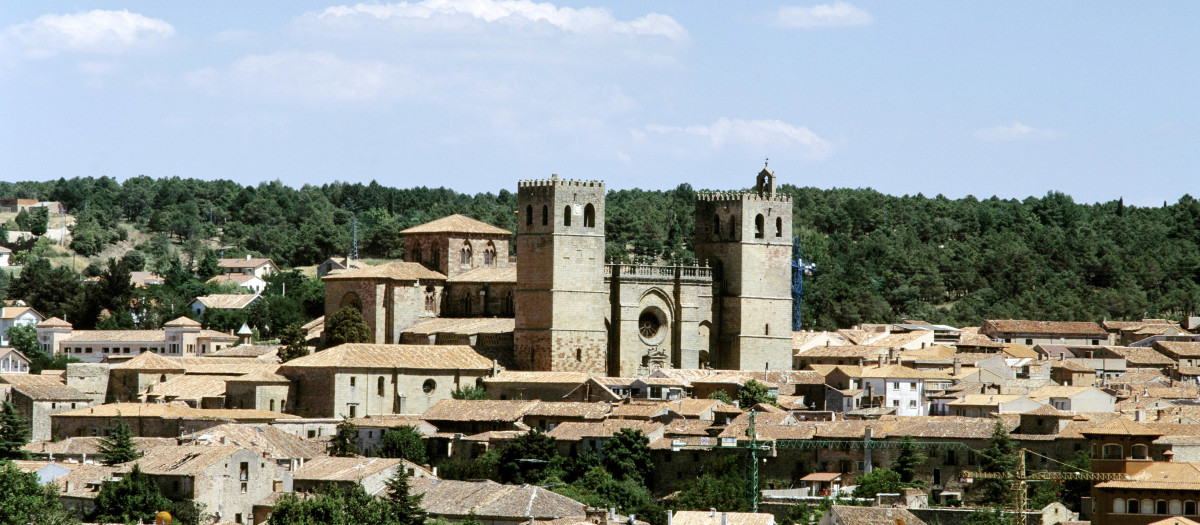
(879, 258)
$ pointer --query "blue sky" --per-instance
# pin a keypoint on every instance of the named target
(1095, 99)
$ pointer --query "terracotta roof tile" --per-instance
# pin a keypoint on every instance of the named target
(508, 274)
(491, 501)
(575, 431)
(456, 224)
(396, 271)
(365, 355)
(464, 326)
(227, 301)
(1016, 326)
(696, 517)
(481, 410)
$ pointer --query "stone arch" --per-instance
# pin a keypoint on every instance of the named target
(489, 254)
(351, 299)
(759, 226)
(465, 254)
(418, 253)
(779, 226)
(567, 215)
(589, 216)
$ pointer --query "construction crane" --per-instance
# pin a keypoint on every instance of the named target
(800, 268)
(1021, 476)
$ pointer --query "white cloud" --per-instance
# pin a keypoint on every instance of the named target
(459, 14)
(315, 77)
(1017, 131)
(101, 32)
(756, 133)
(837, 14)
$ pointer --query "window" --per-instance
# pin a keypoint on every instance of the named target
(162, 378)
(913, 385)
(895, 402)
(1189, 508)
(429, 386)
(353, 411)
(380, 387)
(529, 215)
(312, 434)
(733, 227)
(1176, 508)
(489, 254)
(912, 403)
(237, 518)
(465, 253)
(1118, 506)
(567, 216)
(758, 226)
(1113, 451)
(589, 216)
(272, 405)
(578, 355)
(716, 226)
(1138, 452)
(1147, 506)
(352, 380)
(779, 226)
(545, 215)
(1132, 506)
(951, 459)
(1160, 506)
(244, 471)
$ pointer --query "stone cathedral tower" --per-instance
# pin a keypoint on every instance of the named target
(561, 299)
(747, 239)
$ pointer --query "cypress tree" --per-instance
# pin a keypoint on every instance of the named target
(14, 432)
(117, 446)
(1000, 456)
(403, 508)
(342, 444)
(909, 460)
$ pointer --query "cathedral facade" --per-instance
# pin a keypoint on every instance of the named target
(572, 311)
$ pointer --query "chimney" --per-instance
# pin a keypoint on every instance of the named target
(882, 360)
(247, 257)
(724, 518)
(957, 366)
(894, 355)
(712, 513)
(632, 519)
(670, 515)
(612, 514)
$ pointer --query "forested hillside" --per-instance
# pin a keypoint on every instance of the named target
(880, 257)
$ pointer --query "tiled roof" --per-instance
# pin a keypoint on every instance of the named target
(344, 469)
(365, 355)
(985, 399)
(507, 274)
(32, 379)
(456, 224)
(489, 499)
(226, 301)
(1047, 410)
(1047, 392)
(863, 352)
(261, 376)
(1120, 427)
(464, 326)
(54, 322)
(570, 409)
(900, 372)
(188, 387)
(182, 322)
(116, 336)
(1175, 392)
(1019, 350)
(481, 410)
(260, 438)
(784, 377)
(1140, 355)
(150, 361)
(90, 445)
(246, 351)
(1072, 365)
(697, 517)
(875, 515)
(898, 339)
(243, 262)
(50, 392)
(639, 410)
(1179, 348)
(228, 366)
(801, 338)
(515, 376)
(1141, 377)
(320, 321)
(1015, 326)
(182, 460)
(1160, 476)
(396, 271)
(692, 408)
(231, 278)
(931, 353)
(575, 431)
(12, 312)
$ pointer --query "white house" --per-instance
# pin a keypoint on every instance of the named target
(13, 362)
(223, 302)
(4, 255)
(242, 280)
(258, 267)
(1075, 398)
(16, 314)
(897, 386)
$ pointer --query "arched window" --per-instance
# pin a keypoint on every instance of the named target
(1160, 506)
(759, 226)
(733, 228)
(529, 215)
(545, 215)
(466, 302)
(162, 378)
(1132, 506)
(272, 405)
(716, 231)
(779, 226)
(489, 254)
(578, 354)
(465, 253)
(1113, 451)
(379, 387)
(589, 216)
(1176, 508)
(508, 304)
(1118, 506)
(1189, 508)
(418, 254)
(567, 216)
(1138, 452)
(1147, 506)
(430, 298)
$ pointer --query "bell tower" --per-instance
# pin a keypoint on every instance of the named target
(747, 239)
(561, 300)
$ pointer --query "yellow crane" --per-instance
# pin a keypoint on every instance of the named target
(1020, 476)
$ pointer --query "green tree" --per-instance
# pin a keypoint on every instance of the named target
(135, 497)
(999, 456)
(627, 456)
(26, 501)
(878, 481)
(598, 488)
(1073, 491)
(14, 432)
(472, 519)
(988, 516)
(117, 446)
(403, 442)
(753, 393)
(473, 393)
(908, 461)
(292, 337)
(523, 459)
(39, 220)
(721, 486)
(401, 507)
(801, 514)
(485, 466)
(347, 326)
(722, 396)
(342, 443)
(23, 337)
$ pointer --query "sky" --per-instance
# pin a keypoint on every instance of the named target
(1099, 100)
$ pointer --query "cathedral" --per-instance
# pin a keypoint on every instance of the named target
(560, 307)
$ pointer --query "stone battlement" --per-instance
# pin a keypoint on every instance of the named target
(555, 181)
(730, 196)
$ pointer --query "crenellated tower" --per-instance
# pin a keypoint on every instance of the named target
(746, 239)
(561, 299)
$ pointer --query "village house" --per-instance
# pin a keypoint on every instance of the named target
(372, 473)
(246, 281)
(226, 480)
(548, 386)
(339, 263)
(15, 314)
(369, 431)
(356, 380)
(256, 266)
(13, 361)
(494, 504)
(1184, 353)
(86, 449)
(37, 397)
(986, 405)
(1074, 398)
(712, 517)
(152, 419)
(1125, 333)
(1030, 333)
(5, 253)
(223, 302)
(179, 337)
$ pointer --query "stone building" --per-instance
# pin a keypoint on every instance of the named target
(575, 313)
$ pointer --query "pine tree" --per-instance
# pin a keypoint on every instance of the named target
(14, 432)
(1000, 456)
(909, 460)
(342, 444)
(347, 326)
(117, 446)
(134, 497)
(402, 507)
